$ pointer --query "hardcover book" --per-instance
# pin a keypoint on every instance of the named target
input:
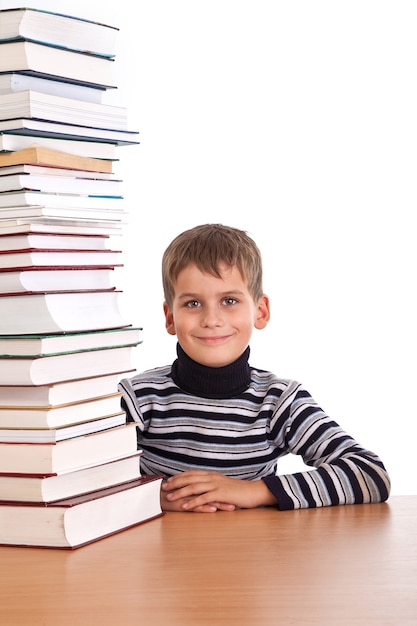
(42, 155)
(47, 61)
(59, 312)
(54, 417)
(45, 370)
(50, 487)
(77, 521)
(43, 106)
(68, 454)
(58, 29)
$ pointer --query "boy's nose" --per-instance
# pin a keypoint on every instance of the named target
(211, 317)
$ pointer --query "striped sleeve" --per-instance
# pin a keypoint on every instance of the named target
(344, 472)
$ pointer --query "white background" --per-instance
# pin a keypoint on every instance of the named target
(295, 121)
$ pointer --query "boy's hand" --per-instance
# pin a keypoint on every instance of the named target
(206, 492)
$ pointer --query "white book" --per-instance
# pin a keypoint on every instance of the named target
(49, 128)
(51, 241)
(45, 370)
(69, 454)
(25, 314)
(59, 258)
(65, 226)
(60, 392)
(60, 184)
(58, 29)
(73, 522)
(48, 61)
(58, 200)
(80, 216)
(17, 433)
(42, 106)
(48, 488)
(53, 279)
(28, 168)
(11, 82)
(52, 487)
(47, 344)
(10, 142)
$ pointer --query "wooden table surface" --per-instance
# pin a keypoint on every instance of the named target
(339, 565)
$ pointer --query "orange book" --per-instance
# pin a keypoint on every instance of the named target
(38, 155)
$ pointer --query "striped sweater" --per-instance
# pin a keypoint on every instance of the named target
(239, 421)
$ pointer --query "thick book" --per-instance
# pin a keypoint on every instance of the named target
(14, 142)
(52, 435)
(45, 370)
(11, 82)
(60, 416)
(48, 61)
(58, 29)
(48, 279)
(61, 392)
(27, 313)
(60, 184)
(50, 487)
(40, 155)
(53, 241)
(14, 259)
(41, 345)
(55, 130)
(43, 106)
(69, 454)
(77, 521)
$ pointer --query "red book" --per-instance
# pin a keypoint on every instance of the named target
(77, 521)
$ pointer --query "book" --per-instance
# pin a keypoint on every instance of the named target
(14, 142)
(60, 415)
(13, 259)
(41, 345)
(58, 29)
(40, 155)
(44, 370)
(50, 487)
(61, 392)
(77, 521)
(81, 216)
(55, 225)
(56, 130)
(46, 61)
(69, 454)
(71, 201)
(27, 313)
(53, 241)
(60, 184)
(10, 82)
(49, 279)
(18, 434)
(57, 172)
(43, 106)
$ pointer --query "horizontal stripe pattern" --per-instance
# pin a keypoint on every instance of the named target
(244, 437)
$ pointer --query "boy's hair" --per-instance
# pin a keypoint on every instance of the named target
(207, 246)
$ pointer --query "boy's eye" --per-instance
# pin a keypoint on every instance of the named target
(192, 304)
(229, 301)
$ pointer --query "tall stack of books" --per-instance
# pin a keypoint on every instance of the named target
(69, 464)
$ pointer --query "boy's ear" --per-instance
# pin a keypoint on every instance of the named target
(263, 312)
(169, 320)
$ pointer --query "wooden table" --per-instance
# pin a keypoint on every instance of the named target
(340, 565)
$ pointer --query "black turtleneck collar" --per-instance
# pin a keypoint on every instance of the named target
(211, 382)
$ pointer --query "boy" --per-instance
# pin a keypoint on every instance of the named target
(214, 425)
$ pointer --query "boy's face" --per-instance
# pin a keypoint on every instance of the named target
(212, 317)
